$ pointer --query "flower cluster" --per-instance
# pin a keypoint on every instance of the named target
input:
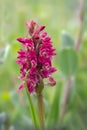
(35, 59)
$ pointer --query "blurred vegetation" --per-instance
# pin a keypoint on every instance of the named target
(58, 16)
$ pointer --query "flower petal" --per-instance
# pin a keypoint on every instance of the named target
(21, 87)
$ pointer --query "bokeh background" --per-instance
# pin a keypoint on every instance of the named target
(58, 16)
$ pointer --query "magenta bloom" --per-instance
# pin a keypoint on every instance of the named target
(35, 59)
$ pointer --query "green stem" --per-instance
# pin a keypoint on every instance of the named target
(34, 115)
(32, 107)
(41, 110)
(6, 127)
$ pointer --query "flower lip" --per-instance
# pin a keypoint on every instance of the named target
(43, 34)
(21, 87)
(52, 81)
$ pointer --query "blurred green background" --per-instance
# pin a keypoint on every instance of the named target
(57, 16)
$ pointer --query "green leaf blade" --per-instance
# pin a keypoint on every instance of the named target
(67, 40)
(68, 62)
(53, 115)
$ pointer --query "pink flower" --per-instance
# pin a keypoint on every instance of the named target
(35, 59)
